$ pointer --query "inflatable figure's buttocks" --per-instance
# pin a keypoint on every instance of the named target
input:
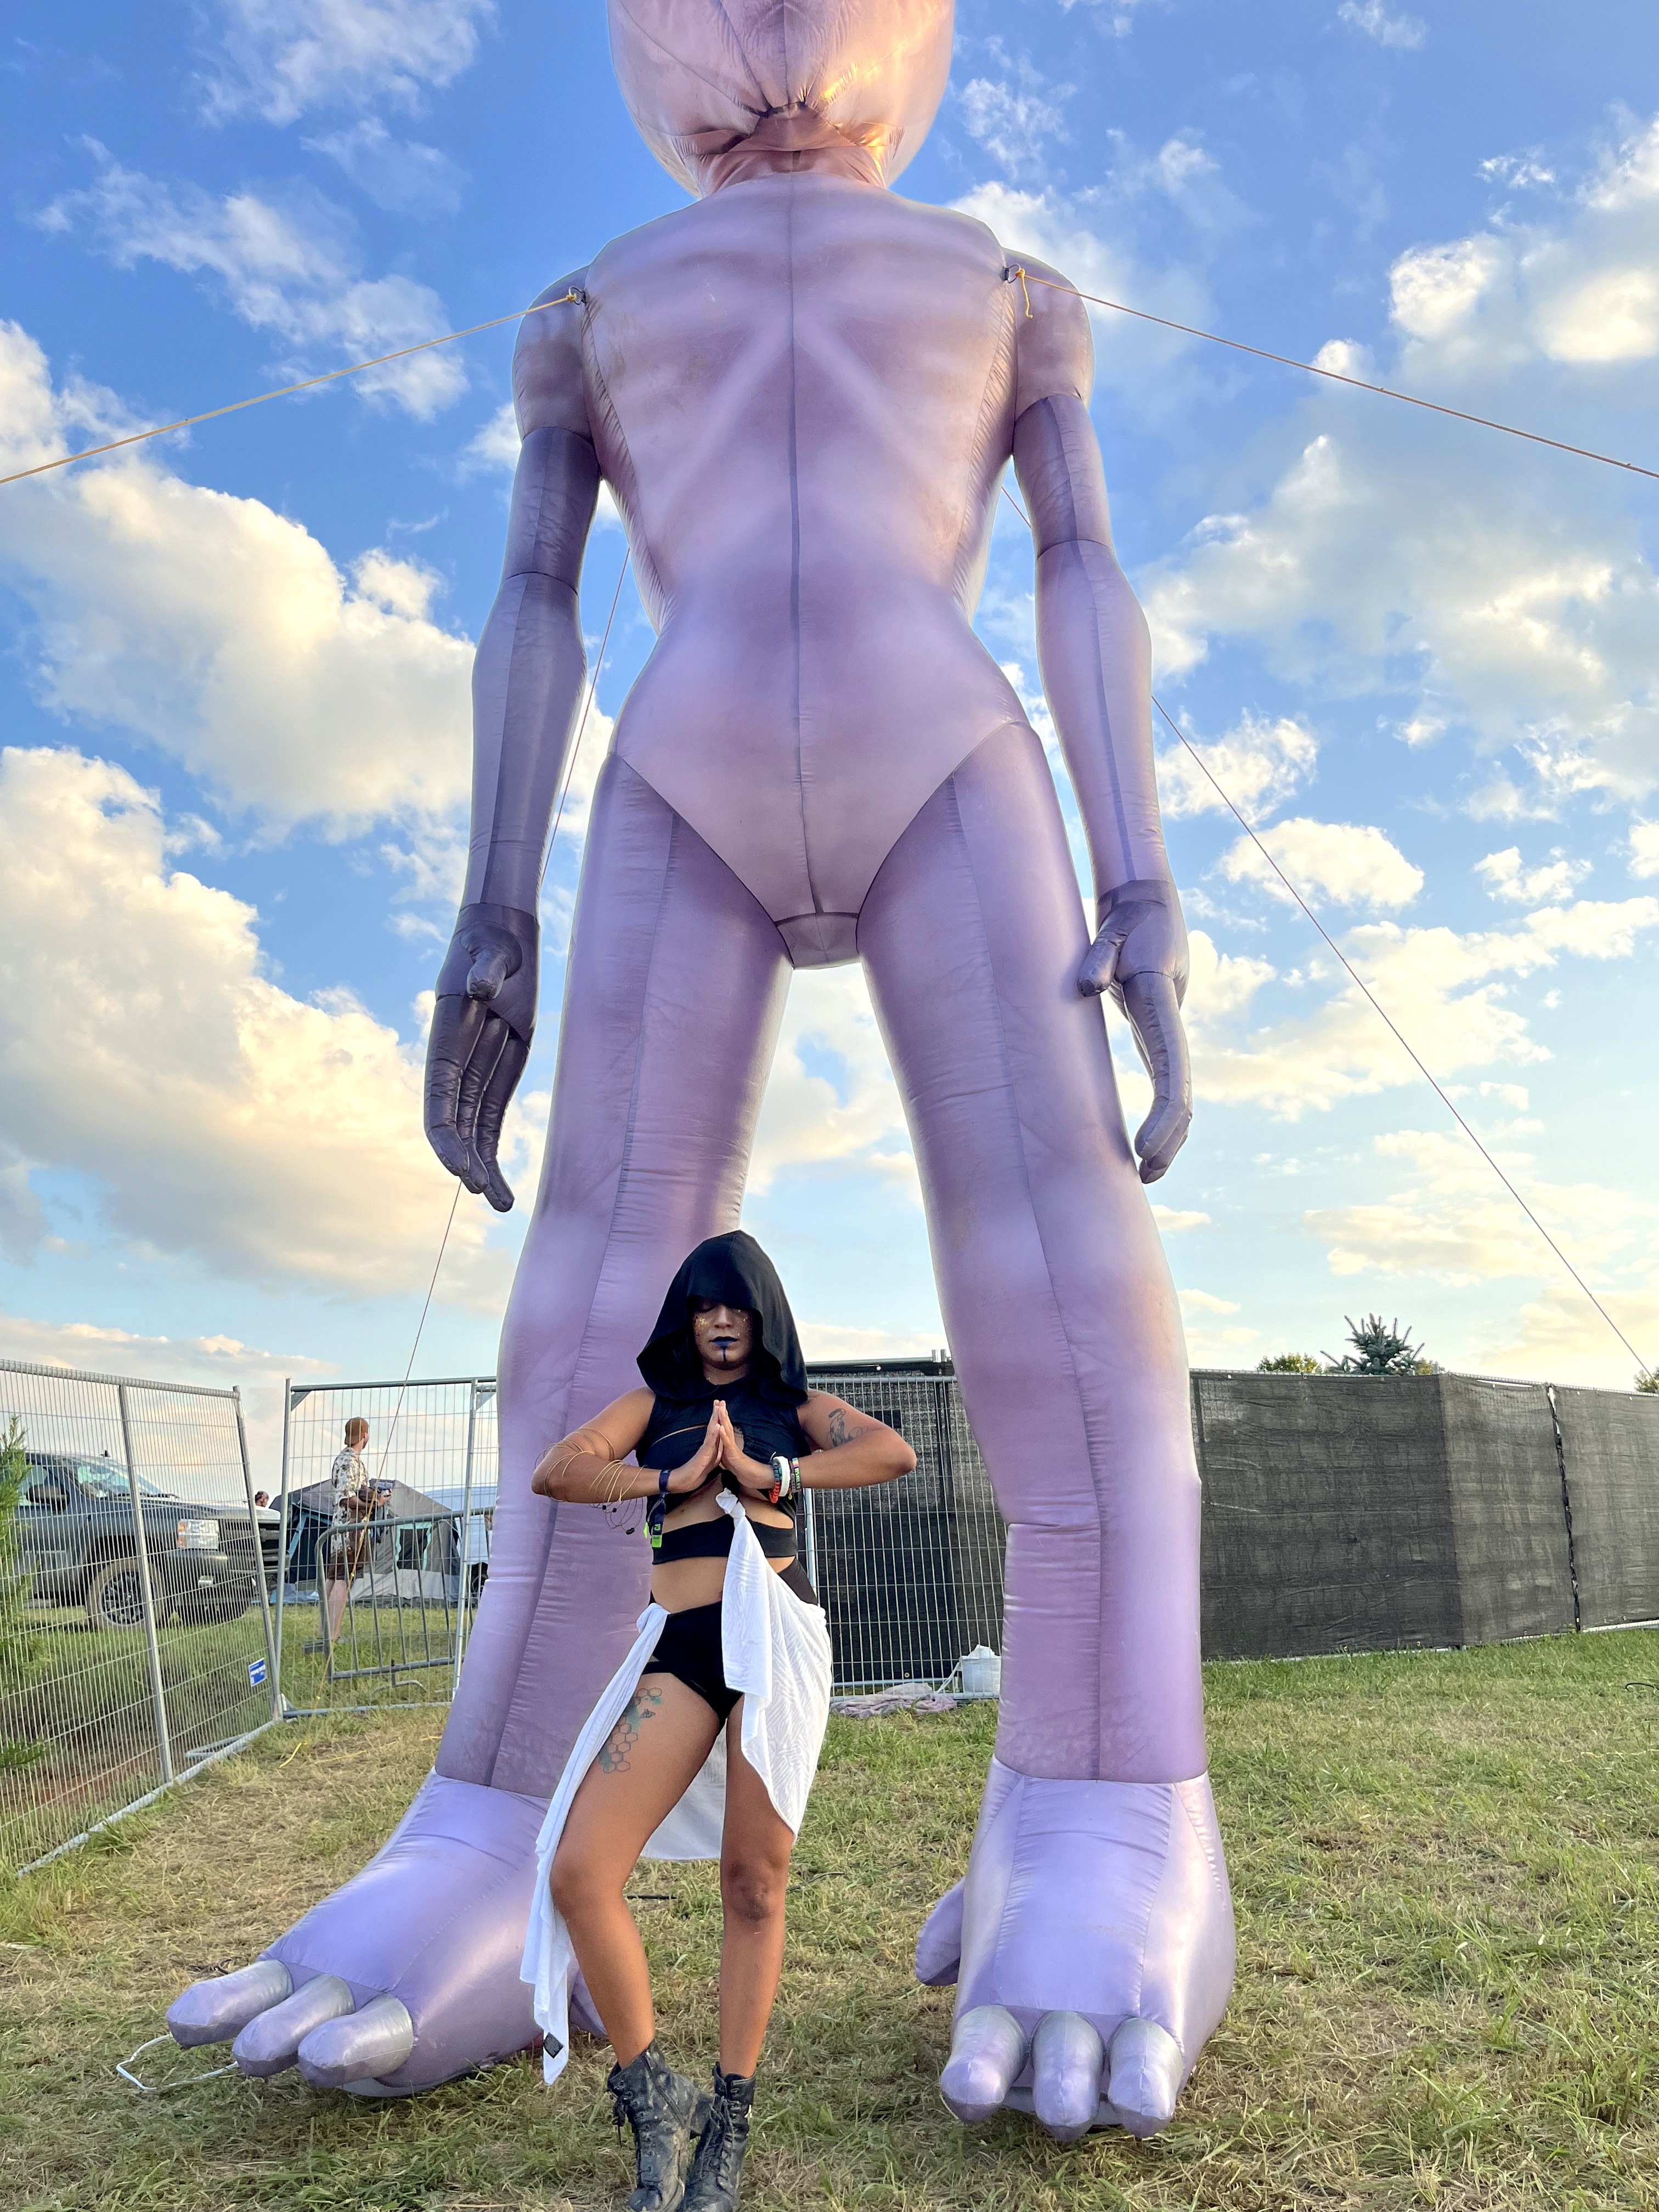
(803, 390)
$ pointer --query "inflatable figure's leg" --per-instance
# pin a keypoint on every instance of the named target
(1093, 1942)
(676, 982)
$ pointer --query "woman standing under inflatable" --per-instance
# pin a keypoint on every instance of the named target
(706, 1739)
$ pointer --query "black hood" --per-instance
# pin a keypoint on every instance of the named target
(734, 1271)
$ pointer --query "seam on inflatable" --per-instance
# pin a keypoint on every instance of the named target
(645, 563)
(1203, 1840)
(1002, 360)
(794, 544)
(995, 1003)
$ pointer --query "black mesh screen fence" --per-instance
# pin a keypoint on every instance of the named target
(1509, 1520)
(1610, 1443)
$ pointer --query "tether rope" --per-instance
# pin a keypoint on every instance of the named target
(1335, 376)
(1025, 276)
(443, 1244)
(1379, 1008)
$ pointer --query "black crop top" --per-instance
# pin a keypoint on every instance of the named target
(676, 1427)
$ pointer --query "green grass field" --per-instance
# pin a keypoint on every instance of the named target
(1448, 1916)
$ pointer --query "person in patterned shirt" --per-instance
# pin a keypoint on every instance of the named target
(348, 1536)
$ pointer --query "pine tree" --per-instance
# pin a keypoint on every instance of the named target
(1379, 1348)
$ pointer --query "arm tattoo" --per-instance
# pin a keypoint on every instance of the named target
(617, 1757)
(845, 1424)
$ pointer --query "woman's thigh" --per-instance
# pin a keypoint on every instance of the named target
(644, 1769)
(757, 1840)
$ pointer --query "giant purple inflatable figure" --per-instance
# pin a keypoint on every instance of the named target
(803, 391)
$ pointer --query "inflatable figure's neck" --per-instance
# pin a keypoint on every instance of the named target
(787, 144)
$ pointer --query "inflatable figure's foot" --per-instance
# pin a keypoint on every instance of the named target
(409, 1975)
(1092, 1947)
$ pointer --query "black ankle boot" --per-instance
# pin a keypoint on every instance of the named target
(666, 2111)
(717, 2170)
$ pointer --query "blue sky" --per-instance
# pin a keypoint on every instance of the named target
(1424, 659)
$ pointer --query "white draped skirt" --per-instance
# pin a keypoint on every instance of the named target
(775, 1650)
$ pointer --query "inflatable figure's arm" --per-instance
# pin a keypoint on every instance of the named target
(1095, 658)
(527, 686)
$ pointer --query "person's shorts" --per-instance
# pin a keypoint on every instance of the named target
(689, 1649)
(346, 1552)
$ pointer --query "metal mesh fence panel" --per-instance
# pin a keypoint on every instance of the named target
(910, 1573)
(380, 1614)
(1610, 1443)
(135, 1631)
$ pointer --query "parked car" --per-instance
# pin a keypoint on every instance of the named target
(75, 1544)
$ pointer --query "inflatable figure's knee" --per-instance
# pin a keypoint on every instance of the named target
(1093, 1942)
(406, 1976)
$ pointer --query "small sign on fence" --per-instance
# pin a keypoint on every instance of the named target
(256, 1673)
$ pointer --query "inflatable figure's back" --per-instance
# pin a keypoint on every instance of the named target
(700, 77)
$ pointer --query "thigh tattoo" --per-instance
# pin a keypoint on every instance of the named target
(616, 1756)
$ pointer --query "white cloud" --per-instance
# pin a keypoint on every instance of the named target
(1450, 994)
(292, 270)
(224, 634)
(1522, 172)
(1170, 1219)
(1505, 878)
(1014, 116)
(1512, 594)
(1113, 16)
(279, 59)
(1644, 848)
(1351, 863)
(831, 1102)
(144, 1047)
(1404, 32)
(1202, 1302)
(1260, 764)
(1450, 1221)
(221, 1362)
(400, 174)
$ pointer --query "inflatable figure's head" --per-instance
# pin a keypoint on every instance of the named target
(702, 78)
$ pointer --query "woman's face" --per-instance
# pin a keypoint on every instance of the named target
(724, 1336)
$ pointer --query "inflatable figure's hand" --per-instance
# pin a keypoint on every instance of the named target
(482, 1027)
(1139, 955)
(1092, 1947)
(409, 1975)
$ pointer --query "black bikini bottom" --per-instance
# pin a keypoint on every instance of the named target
(690, 1650)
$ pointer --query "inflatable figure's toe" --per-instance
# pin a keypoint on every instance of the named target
(1095, 1952)
(1147, 2072)
(409, 1975)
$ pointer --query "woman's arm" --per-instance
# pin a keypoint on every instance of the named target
(586, 1467)
(854, 1450)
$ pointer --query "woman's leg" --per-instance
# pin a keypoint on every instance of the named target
(649, 1760)
(754, 1851)
(676, 983)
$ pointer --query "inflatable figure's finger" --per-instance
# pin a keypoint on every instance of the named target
(939, 1947)
(214, 2010)
(490, 970)
(1154, 1012)
(360, 2047)
(270, 2041)
(1067, 2059)
(475, 1081)
(456, 1023)
(492, 1109)
(987, 2052)
(1147, 2073)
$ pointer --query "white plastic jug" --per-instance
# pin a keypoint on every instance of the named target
(980, 1673)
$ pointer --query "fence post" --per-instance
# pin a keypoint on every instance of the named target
(465, 1578)
(281, 1563)
(158, 1695)
(259, 1556)
(810, 1531)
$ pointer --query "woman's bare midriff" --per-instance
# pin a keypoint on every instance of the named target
(682, 1583)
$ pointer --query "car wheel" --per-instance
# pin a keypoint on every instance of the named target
(211, 1605)
(115, 1596)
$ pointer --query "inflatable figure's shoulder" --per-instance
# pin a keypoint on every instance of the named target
(547, 361)
(1054, 346)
